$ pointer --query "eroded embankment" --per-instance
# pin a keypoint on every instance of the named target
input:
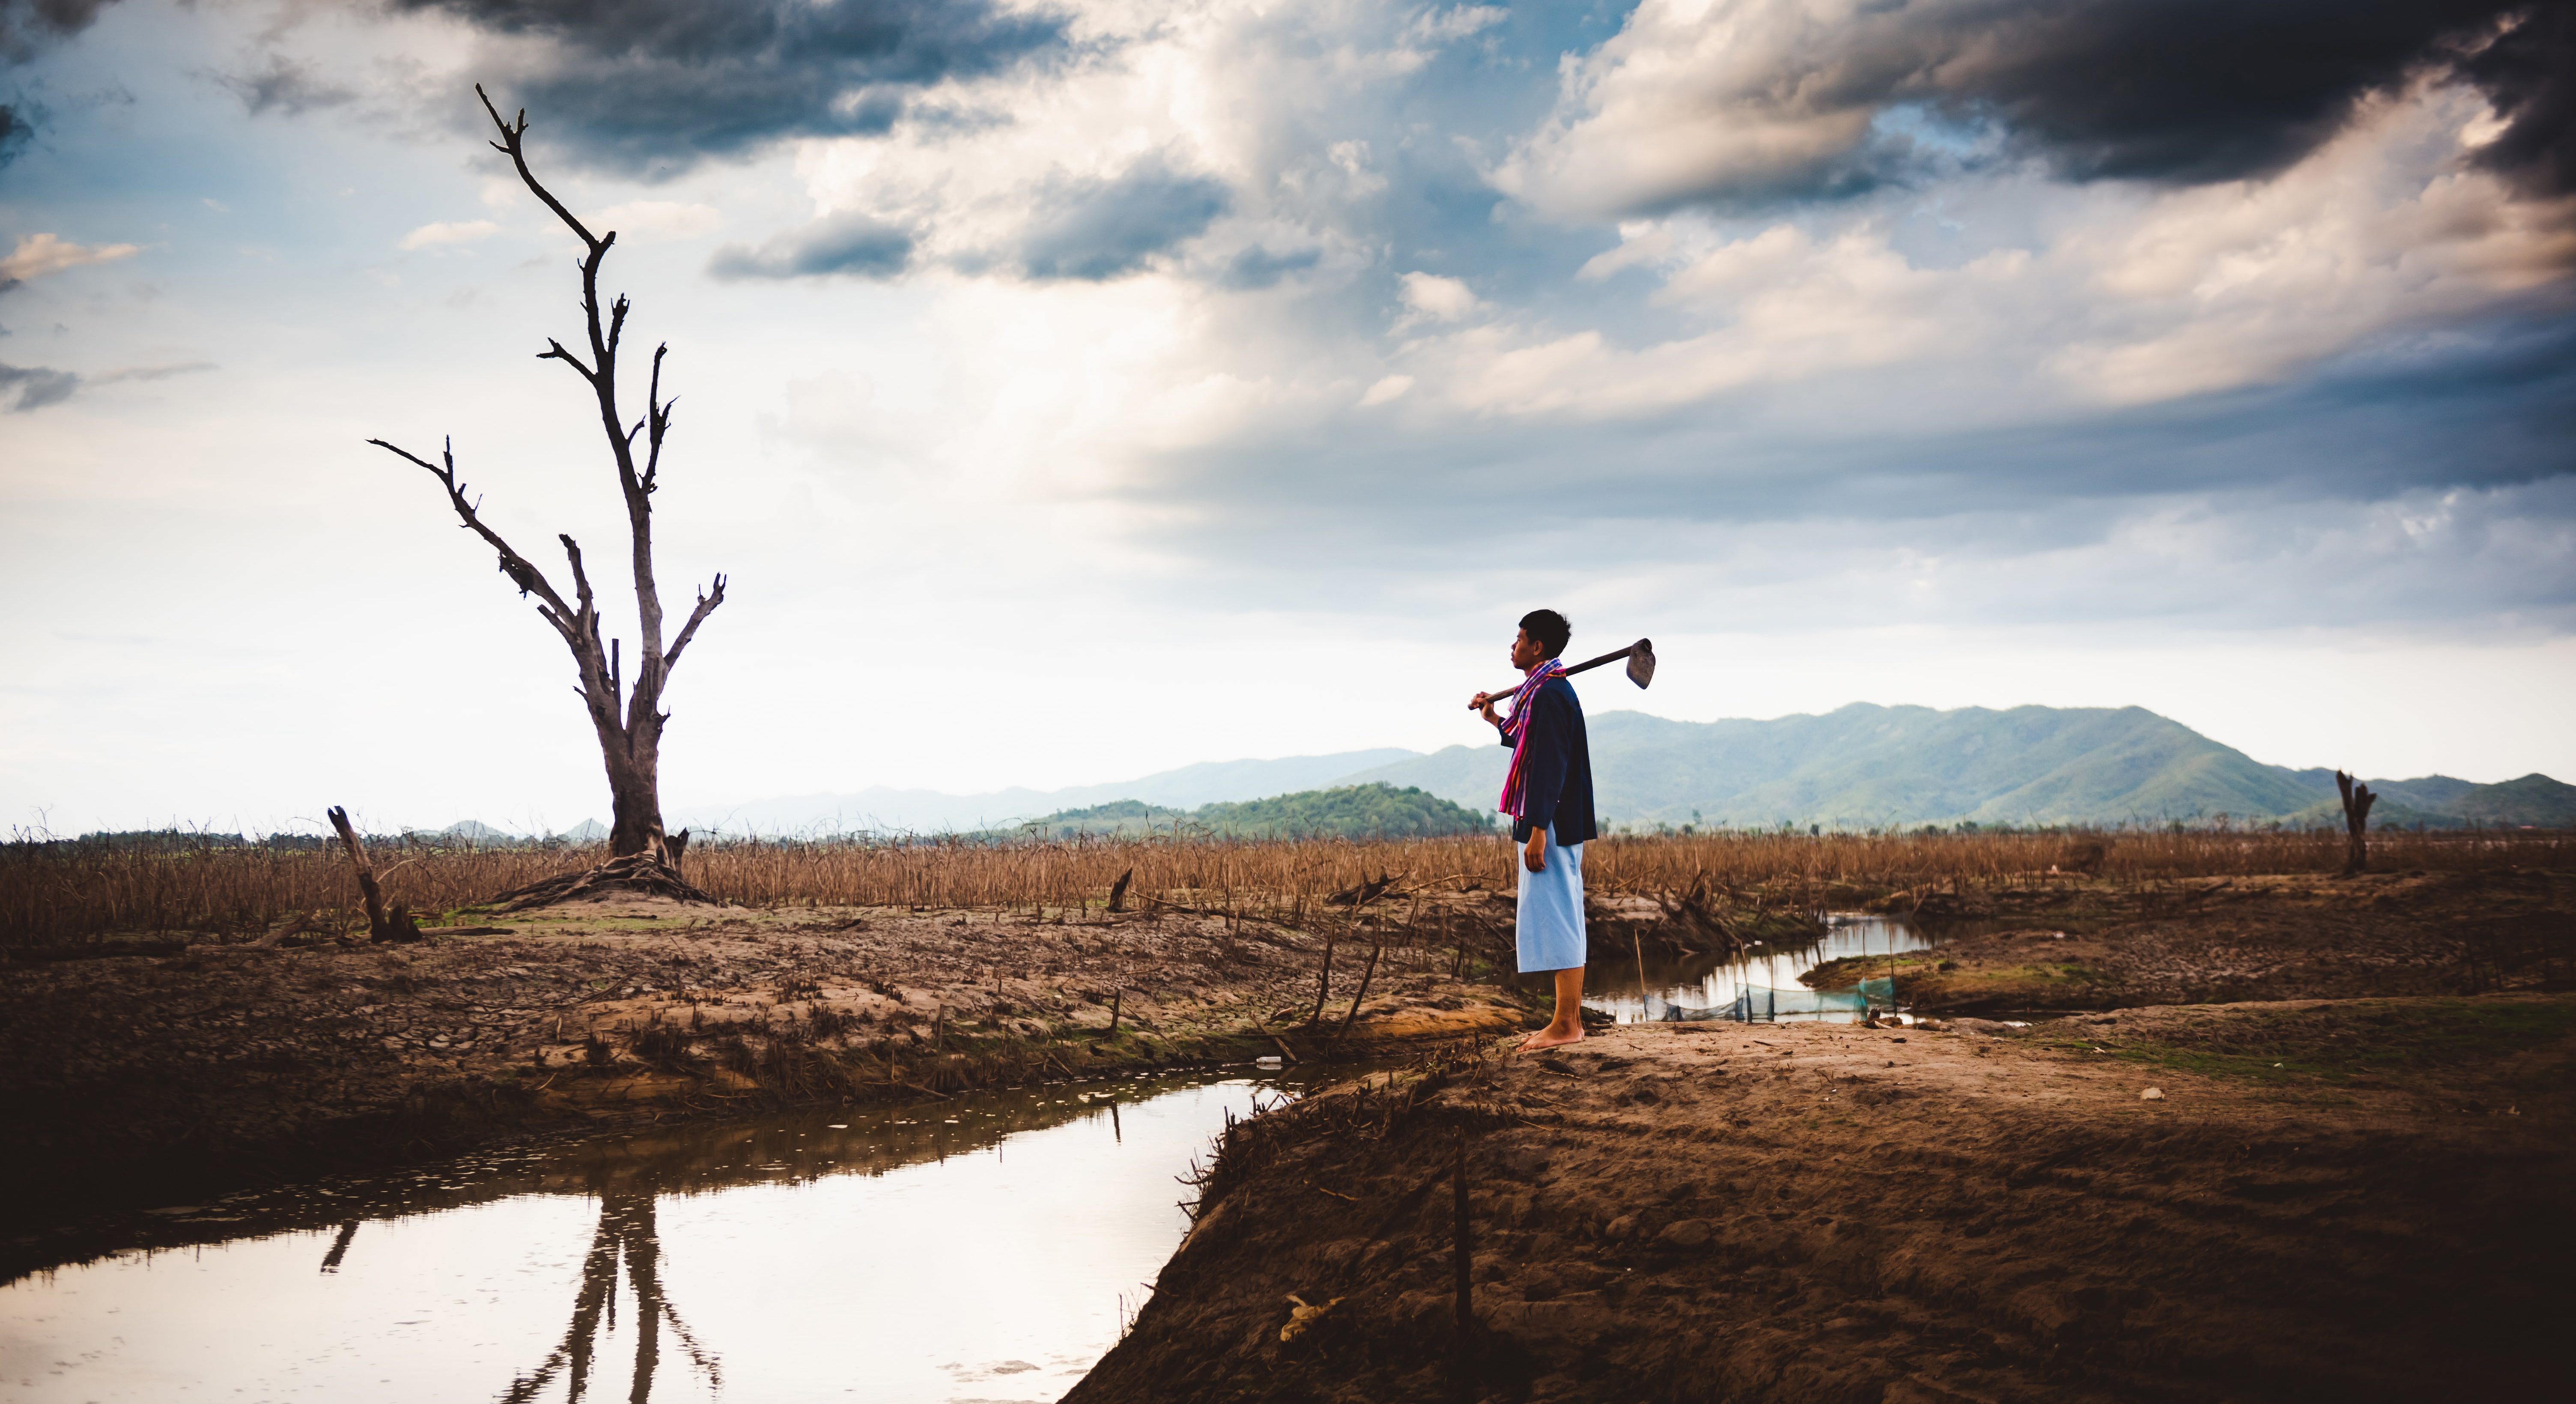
(165, 1075)
(2075, 944)
(1819, 1213)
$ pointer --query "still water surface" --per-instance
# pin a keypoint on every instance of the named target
(980, 1250)
(1708, 988)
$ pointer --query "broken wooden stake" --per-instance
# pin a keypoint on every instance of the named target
(1376, 948)
(382, 925)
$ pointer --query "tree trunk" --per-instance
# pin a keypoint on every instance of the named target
(635, 800)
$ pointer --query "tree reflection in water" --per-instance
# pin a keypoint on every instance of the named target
(625, 1230)
(622, 1172)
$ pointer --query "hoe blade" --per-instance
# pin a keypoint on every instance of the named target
(1641, 663)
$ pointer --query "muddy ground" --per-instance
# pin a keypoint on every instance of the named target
(135, 1077)
(2347, 1200)
(2352, 1187)
(2072, 944)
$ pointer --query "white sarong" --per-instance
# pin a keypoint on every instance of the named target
(1551, 915)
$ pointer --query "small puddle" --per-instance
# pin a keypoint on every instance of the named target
(988, 1248)
(1761, 987)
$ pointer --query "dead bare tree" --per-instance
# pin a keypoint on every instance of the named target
(628, 722)
(2357, 800)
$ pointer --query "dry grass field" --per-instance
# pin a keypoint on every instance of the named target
(66, 893)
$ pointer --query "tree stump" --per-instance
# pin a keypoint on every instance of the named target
(395, 924)
(2357, 800)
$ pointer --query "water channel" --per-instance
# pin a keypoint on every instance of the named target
(983, 1249)
(1759, 987)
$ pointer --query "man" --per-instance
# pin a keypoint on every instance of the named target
(1548, 793)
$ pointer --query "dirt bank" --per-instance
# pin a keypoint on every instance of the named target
(167, 1075)
(2075, 944)
(2330, 1200)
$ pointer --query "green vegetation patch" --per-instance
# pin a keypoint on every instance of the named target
(1352, 811)
(1848, 972)
(2365, 1039)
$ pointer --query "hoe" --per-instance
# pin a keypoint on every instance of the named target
(1641, 667)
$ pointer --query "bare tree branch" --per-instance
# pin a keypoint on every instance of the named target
(555, 352)
(706, 605)
(521, 572)
(657, 412)
(513, 145)
(580, 585)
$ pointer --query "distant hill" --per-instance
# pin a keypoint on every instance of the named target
(1868, 766)
(2534, 799)
(2442, 802)
(475, 831)
(886, 810)
(1356, 811)
(1863, 766)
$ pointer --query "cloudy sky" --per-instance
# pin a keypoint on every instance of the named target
(1070, 391)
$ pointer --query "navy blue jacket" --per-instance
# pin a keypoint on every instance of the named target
(1559, 782)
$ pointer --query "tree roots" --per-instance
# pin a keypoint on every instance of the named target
(642, 874)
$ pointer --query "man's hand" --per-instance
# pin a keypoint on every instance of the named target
(1484, 702)
(1535, 854)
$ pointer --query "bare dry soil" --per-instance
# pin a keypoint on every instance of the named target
(136, 1077)
(2348, 1200)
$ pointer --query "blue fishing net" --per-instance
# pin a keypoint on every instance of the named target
(1763, 1003)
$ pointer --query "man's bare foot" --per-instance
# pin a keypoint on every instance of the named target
(1551, 1037)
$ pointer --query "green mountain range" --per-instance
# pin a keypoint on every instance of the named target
(1351, 811)
(1868, 766)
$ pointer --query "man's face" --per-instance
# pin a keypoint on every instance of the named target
(1526, 653)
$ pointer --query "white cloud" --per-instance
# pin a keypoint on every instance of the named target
(1687, 96)
(1387, 390)
(442, 235)
(2124, 295)
(40, 254)
(1446, 299)
(2384, 227)
(1458, 21)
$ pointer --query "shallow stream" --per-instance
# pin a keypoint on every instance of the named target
(982, 1249)
(1764, 986)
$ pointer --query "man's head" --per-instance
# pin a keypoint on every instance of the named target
(1544, 633)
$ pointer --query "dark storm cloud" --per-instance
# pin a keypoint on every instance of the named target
(2530, 75)
(14, 131)
(281, 84)
(34, 387)
(1099, 229)
(647, 83)
(2175, 91)
(28, 28)
(2202, 90)
(845, 244)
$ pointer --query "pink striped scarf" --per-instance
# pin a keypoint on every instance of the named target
(1515, 800)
